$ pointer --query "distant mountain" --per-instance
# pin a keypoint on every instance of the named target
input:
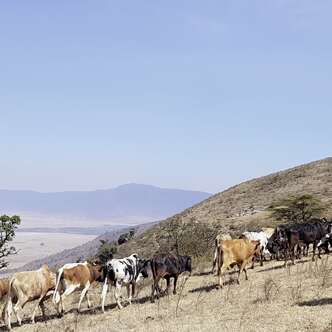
(130, 202)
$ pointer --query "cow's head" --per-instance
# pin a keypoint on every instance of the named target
(142, 269)
(97, 269)
(257, 248)
(185, 263)
(324, 241)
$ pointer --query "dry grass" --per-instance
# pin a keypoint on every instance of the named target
(296, 298)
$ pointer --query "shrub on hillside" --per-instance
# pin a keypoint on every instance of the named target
(188, 238)
(297, 209)
(106, 251)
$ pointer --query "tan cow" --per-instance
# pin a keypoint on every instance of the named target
(238, 252)
(76, 276)
(26, 287)
(220, 237)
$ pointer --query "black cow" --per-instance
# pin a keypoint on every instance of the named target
(292, 236)
(168, 266)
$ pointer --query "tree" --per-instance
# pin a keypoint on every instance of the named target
(8, 226)
(297, 209)
(106, 251)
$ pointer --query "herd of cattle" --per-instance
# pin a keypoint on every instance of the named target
(287, 241)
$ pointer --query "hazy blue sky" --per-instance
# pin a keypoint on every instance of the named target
(187, 94)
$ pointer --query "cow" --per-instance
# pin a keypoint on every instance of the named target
(236, 252)
(126, 271)
(168, 266)
(26, 287)
(220, 237)
(304, 233)
(262, 238)
(76, 276)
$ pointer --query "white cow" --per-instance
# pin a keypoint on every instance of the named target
(262, 238)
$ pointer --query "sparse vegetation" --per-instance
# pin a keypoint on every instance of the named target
(106, 250)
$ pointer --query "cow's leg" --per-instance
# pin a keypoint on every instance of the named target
(39, 301)
(9, 309)
(84, 292)
(314, 245)
(103, 295)
(128, 286)
(253, 263)
(221, 271)
(174, 285)
(117, 293)
(42, 308)
(261, 257)
(88, 299)
(168, 284)
(155, 288)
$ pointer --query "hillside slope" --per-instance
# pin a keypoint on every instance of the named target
(243, 205)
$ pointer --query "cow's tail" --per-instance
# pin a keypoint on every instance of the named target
(220, 258)
(215, 255)
(56, 294)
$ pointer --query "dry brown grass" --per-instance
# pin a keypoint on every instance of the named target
(296, 298)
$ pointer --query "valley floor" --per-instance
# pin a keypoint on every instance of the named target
(295, 298)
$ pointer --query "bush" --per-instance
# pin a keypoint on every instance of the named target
(106, 251)
(297, 209)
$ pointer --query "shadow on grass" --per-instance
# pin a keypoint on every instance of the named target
(209, 288)
(316, 302)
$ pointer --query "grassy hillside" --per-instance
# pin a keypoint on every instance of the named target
(296, 298)
(244, 206)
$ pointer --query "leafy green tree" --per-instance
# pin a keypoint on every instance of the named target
(106, 251)
(8, 226)
(297, 209)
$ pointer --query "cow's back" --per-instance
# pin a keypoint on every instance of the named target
(165, 265)
(78, 274)
(33, 283)
(237, 250)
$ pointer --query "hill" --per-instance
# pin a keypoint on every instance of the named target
(129, 204)
(243, 206)
(238, 208)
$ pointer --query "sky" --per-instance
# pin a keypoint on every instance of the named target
(183, 94)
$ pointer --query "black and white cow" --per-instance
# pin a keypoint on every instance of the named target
(125, 271)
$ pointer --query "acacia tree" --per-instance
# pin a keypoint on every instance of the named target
(8, 226)
(297, 209)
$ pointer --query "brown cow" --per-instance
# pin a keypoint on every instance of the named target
(75, 276)
(238, 252)
(26, 287)
(4, 285)
(219, 238)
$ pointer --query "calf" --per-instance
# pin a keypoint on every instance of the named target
(127, 271)
(76, 276)
(236, 252)
(28, 286)
(168, 266)
(219, 238)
